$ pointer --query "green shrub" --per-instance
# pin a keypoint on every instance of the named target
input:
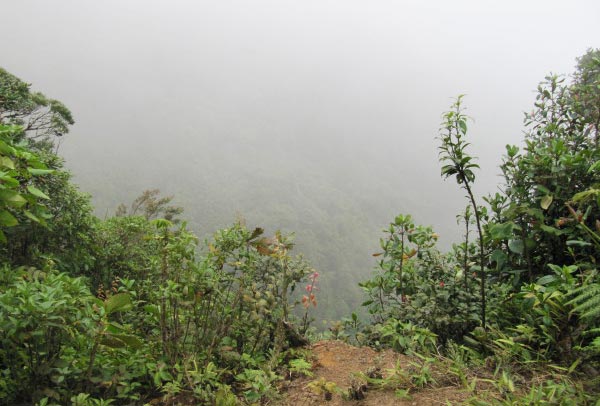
(44, 322)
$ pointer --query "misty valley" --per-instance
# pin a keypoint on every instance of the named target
(263, 263)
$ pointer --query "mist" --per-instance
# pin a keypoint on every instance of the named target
(318, 117)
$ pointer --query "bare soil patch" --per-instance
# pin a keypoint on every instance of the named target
(339, 362)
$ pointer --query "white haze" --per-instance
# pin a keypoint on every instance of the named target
(345, 94)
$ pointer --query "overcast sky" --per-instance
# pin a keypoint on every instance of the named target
(368, 78)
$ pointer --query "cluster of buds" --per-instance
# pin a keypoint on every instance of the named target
(114, 286)
(308, 300)
(103, 294)
(564, 221)
(100, 293)
(310, 289)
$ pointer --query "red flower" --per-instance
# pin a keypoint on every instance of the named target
(442, 284)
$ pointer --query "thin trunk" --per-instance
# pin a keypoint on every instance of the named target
(466, 251)
(527, 254)
(401, 264)
(163, 302)
(88, 374)
(481, 252)
(279, 332)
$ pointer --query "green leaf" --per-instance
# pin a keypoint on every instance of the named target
(578, 243)
(112, 342)
(544, 280)
(542, 189)
(38, 193)
(499, 257)
(32, 216)
(118, 302)
(586, 194)
(551, 230)
(6, 149)
(8, 180)
(36, 172)
(128, 339)
(7, 162)
(516, 246)
(547, 320)
(12, 198)
(463, 126)
(161, 223)
(594, 167)
(502, 231)
(7, 219)
(115, 328)
(152, 309)
(546, 202)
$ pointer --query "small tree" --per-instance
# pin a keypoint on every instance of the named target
(150, 205)
(553, 166)
(40, 116)
(585, 93)
(460, 164)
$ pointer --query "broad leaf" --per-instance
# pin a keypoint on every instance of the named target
(516, 246)
(544, 280)
(7, 162)
(129, 340)
(112, 342)
(37, 193)
(32, 216)
(502, 231)
(499, 257)
(12, 198)
(546, 202)
(7, 219)
(118, 302)
(551, 230)
(35, 171)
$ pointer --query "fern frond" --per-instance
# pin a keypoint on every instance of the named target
(592, 332)
(586, 301)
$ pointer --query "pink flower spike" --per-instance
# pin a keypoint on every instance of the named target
(309, 288)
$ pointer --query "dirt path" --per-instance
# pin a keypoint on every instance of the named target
(338, 362)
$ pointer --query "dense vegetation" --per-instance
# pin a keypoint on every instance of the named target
(126, 308)
(130, 308)
(522, 288)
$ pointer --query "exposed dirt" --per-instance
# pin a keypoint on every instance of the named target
(338, 362)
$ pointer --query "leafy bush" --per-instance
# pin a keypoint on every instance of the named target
(419, 285)
(44, 324)
(20, 199)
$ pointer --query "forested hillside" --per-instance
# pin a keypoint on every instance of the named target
(132, 308)
(335, 199)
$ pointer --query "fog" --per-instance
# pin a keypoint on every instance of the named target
(318, 117)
